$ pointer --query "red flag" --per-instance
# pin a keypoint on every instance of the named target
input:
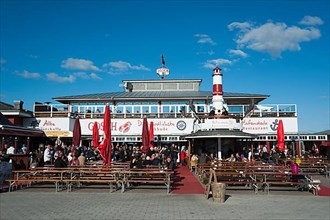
(95, 136)
(76, 133)
(151, 133)
(280, 136)
(145, 134)
(106, 145)
(163, 60)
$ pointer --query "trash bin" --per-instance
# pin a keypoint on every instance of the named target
(219, 192)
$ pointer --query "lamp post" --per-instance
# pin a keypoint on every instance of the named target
(293, 146)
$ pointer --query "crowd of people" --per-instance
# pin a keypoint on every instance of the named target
(169, 156)
(65, 155)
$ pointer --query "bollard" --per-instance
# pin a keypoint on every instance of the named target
(219, 192)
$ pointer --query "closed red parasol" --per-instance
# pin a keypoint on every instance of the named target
(95, 135)
(145, 135)
(106, 146)
(76, 136)
(151, 133)
(280, 136)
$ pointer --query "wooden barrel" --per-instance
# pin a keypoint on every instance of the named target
(219, 192)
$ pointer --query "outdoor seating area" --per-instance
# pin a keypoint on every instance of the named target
(263, 176)
(120, 176)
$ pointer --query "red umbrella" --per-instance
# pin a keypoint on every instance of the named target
(76, 136)
(96, 135)
(280, 136)
(268, 146)
(106, 146)
(151, 133)
(145, 134)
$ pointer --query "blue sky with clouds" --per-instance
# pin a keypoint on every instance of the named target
(280, 48)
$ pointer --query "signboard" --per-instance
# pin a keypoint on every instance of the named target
(220, 124)
(63, 127)
(269, 125)
(53, 127)
(163, 72)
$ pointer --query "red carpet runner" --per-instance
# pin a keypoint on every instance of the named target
(324, 191)
(185, 182)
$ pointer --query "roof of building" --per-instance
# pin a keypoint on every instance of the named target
(326, 132)
(7, 128)
(221, 133)
(5, 106)
(10, 110)
(4, 120)
(230, 98)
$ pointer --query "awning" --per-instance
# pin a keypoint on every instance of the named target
(20, 131)
(220, 134)
(325, 144)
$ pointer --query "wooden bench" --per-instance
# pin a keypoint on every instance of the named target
(28, 182)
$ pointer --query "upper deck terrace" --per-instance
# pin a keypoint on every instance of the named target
(157, 110)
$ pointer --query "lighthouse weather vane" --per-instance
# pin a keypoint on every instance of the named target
(163, 71)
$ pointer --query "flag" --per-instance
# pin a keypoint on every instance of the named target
(163, 60)
(106, 146)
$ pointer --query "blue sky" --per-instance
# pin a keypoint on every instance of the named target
(57, 48)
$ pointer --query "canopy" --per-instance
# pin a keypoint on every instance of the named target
(76, 136)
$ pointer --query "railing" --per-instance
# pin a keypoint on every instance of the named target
(160, 111)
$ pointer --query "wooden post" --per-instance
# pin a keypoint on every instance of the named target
(28, 144)
(189, 152)
(15, 143)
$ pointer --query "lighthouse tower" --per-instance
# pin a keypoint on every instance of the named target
(217, 98)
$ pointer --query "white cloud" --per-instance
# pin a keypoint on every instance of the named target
(121, 66)
(2, 61)
(60, 79)
(211, 52)
(274, 38)
(239, 25)
(239, 53)
(95, 76)
(2, 64)
(204, 39)
(29, 75)
(84, 75)
(33, 56)
(216, 62)
(79, 64)
(311, 20)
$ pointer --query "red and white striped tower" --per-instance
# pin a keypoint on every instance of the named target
(217, 98)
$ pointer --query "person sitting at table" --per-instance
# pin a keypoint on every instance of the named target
(74, 161)
(59, 162)
(136, 162)
(212, 113)
(155, 159)
(224, 111)
(231, 158)
(238, 157)
(82, 159)
(169, 164)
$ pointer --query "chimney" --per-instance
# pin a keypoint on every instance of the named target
(217, 98)
(18, 104)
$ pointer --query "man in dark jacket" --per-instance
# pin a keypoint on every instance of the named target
(59, 162)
